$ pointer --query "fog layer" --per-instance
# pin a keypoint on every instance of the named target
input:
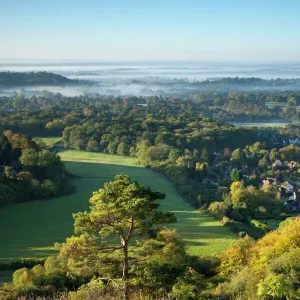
(142, 78)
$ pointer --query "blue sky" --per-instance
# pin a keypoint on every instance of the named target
(210, 30)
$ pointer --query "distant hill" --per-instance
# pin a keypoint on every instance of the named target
(12, 79)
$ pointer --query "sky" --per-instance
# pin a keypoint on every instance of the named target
(115, 30)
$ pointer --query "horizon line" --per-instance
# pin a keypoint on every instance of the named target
(150, 60)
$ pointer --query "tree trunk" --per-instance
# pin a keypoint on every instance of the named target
(125, 270)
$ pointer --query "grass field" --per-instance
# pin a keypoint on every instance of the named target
(29, 230)
(6, 276)
(49, 141)
(80, 156)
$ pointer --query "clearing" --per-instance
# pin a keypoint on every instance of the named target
(50, 141)
(29, 230)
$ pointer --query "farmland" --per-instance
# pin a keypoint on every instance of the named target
(29, 230)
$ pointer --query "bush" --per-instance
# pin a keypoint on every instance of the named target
(206, 265)
(235, 215)
(21, 263)
(184, 291)
(225, 220)
(95, 289)
(218, 209)
(242, 234)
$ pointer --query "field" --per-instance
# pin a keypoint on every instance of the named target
(80, 156)
(249, 124)
(5, 276)
(29, 230)
(49, 141)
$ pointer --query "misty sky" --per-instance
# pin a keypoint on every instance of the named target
(210, 30)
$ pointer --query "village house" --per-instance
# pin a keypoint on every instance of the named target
(140, 105)
(277, 163)
(287, 187)
(294, 141)
(15, 165)
(9, 109)
(292, 164)
(293, 202)
(210, 181)
(269, 181)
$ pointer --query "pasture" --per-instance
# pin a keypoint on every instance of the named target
(29, 230)
(50, 141)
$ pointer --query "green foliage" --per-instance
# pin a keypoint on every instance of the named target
(30, 172)
(238, 156)
(276, 286)
(265, 269)
(205, 155)
(20, 263)
(184, 291)
(236, 175)
(219, 209)
(5, 149)
(236, 256)
(95, 289)
(9, 79)
(123, 209)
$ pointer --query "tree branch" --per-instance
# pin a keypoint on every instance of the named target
(131, 229)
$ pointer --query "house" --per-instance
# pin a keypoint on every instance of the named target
(141, 105)
(277, 163)
(269, 181)
(15, 165)
(293, 202)
(210, 181)
(294, 141)
(287, 187)
(292, 164)
(285, 142)
(9, 109)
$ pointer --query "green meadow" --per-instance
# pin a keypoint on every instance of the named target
(29, 230)
(49, 141)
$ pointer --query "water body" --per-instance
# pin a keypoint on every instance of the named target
(143, 78)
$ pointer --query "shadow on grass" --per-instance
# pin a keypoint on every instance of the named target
(6, 276)
(107, 171)
(195, 243)
(31, 252)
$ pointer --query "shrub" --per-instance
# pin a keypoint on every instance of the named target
(235, 215)
(218, 209)
(184, 291)
(225, 220)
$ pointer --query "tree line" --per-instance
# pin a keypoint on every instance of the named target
(29, 171)
(18, 79)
